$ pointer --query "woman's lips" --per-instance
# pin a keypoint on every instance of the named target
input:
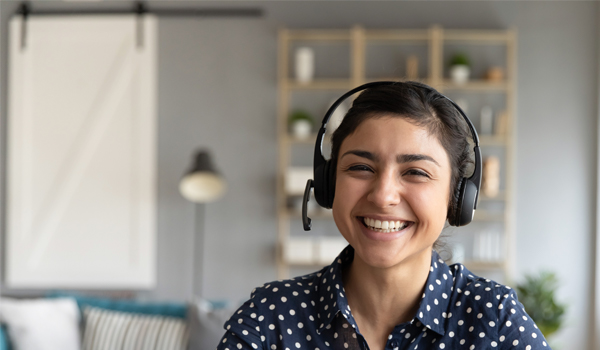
(384, 235)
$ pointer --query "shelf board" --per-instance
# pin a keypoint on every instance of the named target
(319, 35)
(476, 85)
(482, 36)
(420, 80)
(320, 84)
(346, 84)
(484, 265)
(397, 35)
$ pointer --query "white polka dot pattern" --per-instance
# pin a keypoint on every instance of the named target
(458, 310)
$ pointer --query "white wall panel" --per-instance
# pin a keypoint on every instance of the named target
(81, 153)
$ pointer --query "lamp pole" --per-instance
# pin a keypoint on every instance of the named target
(201, 184)
(198, 250)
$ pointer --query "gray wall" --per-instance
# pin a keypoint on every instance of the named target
(218, 90)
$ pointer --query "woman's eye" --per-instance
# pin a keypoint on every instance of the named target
(415, 172)
(359, 168)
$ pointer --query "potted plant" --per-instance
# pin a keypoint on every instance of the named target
(460, 68)
(537, 294)
(301, 123)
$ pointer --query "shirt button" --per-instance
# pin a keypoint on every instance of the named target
(395, 343)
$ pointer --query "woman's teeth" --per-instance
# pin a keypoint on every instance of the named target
(385, 226)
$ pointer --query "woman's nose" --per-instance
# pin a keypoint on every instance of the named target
(385, 191)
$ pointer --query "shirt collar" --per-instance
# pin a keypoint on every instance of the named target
(436, 296)
(432, 310)
(331, 292)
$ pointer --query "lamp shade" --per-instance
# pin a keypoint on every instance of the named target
(202, 183)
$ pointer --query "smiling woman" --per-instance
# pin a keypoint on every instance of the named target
(399, 164)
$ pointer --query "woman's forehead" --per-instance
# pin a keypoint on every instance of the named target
(392, 129)
(390, 136)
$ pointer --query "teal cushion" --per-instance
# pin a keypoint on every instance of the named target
(172, 309)
(4, 343)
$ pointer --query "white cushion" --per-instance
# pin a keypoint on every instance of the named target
(41, 324)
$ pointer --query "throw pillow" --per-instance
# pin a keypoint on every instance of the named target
(4, 345)
(110, 330)
(41, 324)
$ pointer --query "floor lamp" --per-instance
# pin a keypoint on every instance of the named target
(201, 184)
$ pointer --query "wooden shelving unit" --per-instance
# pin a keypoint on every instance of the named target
(435, 41)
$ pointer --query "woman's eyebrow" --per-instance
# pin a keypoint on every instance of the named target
(363, 154)
(407, 158)
(402, 158)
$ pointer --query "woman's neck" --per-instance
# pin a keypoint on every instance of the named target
(381, 298)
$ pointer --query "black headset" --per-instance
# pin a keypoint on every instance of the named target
(467, 189)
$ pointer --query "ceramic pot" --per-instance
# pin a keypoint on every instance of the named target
(302, 129)
(460, 73)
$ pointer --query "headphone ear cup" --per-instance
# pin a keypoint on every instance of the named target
(465, 203)
(324, 184)
(467, 207)
(321, 183)
(330, 189)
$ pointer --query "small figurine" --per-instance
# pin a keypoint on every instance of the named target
(491, 176)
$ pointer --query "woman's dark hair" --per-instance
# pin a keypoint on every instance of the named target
(422, 106)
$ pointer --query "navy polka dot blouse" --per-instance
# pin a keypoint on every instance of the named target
(458, 311)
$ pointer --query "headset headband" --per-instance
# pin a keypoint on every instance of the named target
(320, 159)
(321, 162)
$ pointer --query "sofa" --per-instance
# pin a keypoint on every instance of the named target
(63, 321)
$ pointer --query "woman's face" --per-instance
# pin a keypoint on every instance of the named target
(392, 188)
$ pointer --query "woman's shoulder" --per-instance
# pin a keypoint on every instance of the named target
(485, 297)
(276, 299)
(273, 304)
(485, 307)
(294, 287)
(479, 291)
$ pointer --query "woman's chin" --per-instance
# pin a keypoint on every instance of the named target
(386, 250)
(381, 254)
(390, 256)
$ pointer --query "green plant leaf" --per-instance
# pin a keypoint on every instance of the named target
(460, 59)
(537, 294)
(300, 114)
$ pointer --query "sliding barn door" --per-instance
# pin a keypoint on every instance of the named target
(81, 152)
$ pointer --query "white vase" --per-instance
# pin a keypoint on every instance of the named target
(460, 73)
(305, 64)
(302, 129)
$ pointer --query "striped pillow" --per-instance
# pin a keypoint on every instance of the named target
(115, 330)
